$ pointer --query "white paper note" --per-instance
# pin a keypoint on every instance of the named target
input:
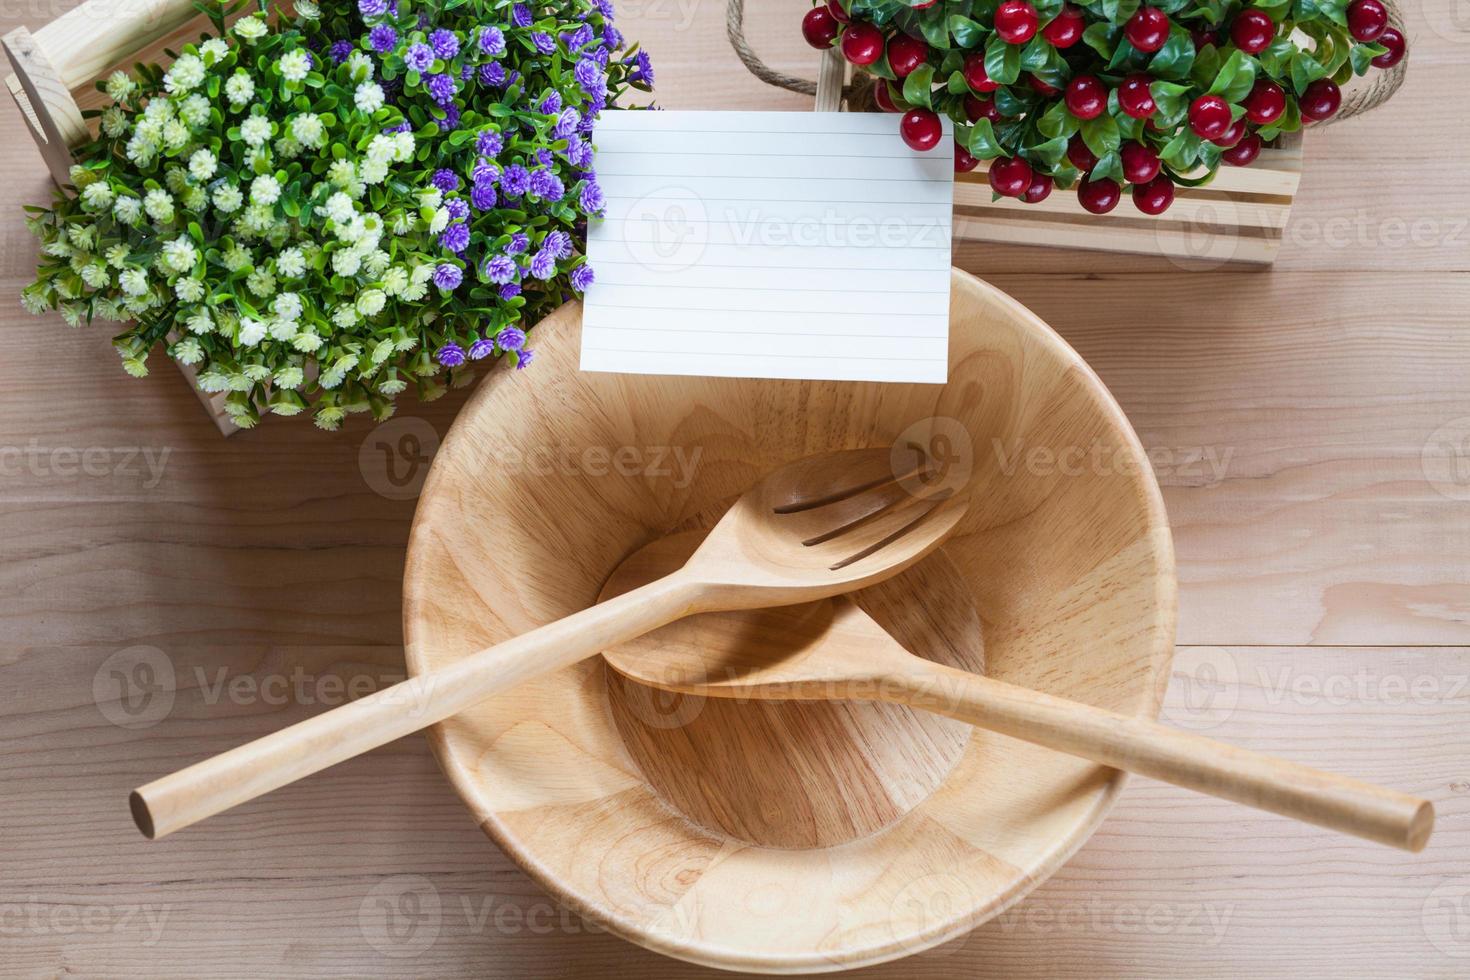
(769, 245)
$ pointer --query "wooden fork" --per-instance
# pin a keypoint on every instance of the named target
(814, 528)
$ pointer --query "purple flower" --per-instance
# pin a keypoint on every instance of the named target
(582, 277)
(498, 269)
(576, 39)
(451, 354)
(339, 51)
(382, 38)
(448, 277)
(520, 15)
(456, 237)
(492, 41)
(578, 151)
(445, 44)
(482, 348)
(566, 123)
(612, 37)
(591, 200)
(605, 7)
(510, 290)
(588, 75)
(486, 171)
(547, 186)
(551, 104)
(544, 42)
(515, 181)
(457, 208)
(520, 243)
(482, 195)
(441, 88)
(419, 56)
(492, 74)
(511, 338)
(445, 179)
(558, 243)
(402, 127)
(544, 157)
(543, 265)
(466, 72)
(372, 8)
(450, 120)
(642, 69)
(489, 143)
(524, 357)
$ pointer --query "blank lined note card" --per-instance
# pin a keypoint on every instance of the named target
(769, 245)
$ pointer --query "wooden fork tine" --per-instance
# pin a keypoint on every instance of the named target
(874, 533)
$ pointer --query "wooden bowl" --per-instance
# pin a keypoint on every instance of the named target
(785, 837)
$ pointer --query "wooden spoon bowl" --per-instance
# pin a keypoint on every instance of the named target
(551, 477)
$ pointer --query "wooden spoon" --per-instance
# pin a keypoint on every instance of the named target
(811, 529)
(832, 650)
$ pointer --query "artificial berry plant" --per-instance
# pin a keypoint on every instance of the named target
(1105, 94)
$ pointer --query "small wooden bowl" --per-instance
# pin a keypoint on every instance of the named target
(786, 837)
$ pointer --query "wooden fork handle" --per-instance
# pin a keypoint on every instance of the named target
(1182, 758)
(268, 763)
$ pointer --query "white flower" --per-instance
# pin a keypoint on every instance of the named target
(440, 221)
(261, 282)
(252, 332)
(127, 210)
(370, 301)
(368, 97)
(288, 148)
(97, 197)
(265, 189)
(202, 165)
(430, 197)
(227, 198)
(141, 148)
(159, 205)
(403, 146)
(255, 130)
(189, 290)
(95, 274)
(213, 50)
(374, 171)
(158, 110)
(375, 263)
(345, 316)
(199, 321)
(195, 198)
(120, 85)
(294, 65)
(359, 67)
(381, 149)
(307, 129)
(175, 134)
(240, 88)
(339, 208)
(114, 122)
(184, 75)
(306, 342)
(395, 280)
(287, 306)
(307, 10)
(291, 263)
(176, 179)
(134, 281)
(82, 236)
(180, 254)
(195, 110)
(346, 262)
(281, 328)
(250, 29)
(59, 248)
(188, 351)
(117, 255)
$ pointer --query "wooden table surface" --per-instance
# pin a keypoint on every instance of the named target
(1310, 426)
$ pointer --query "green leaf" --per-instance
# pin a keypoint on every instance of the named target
(919, 86)
(1176, 57)
(1036, 53)
(1101, 134)
(1235, 77)
(1002, 61)
(966, 32)
(982, 143)
(1049, 153)
(1169, 98)
(1305, 70)
(1099, 37)
(1363, 55)
(1057, 121)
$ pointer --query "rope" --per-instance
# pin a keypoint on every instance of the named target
(1355, 102)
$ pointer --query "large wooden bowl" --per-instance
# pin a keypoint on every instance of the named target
(785, 837)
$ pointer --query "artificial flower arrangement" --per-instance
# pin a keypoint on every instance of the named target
(315, 212)
(1103, 93)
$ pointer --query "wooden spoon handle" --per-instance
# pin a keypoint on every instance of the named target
(1182, 758)
(268, 763)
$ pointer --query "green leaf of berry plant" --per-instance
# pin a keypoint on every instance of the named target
(1236, 77)
(918, 87)
(983, 144)
(1101, 134)
(1002, 61)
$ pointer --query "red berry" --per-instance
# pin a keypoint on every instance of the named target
(1079, 155)
(1244, 153)
(1010, 176)
(1147, 29)
(1266, 102)
(1039, 190)
(862, 43)
(1015, 21)
(1087, 98)
(883, 97)
(925, 5)
(1140, 164)
(905, 54)
(1233, 135)
(976, 109)
(819, 27)
(1155, 196)
(1065, 30)
(1320, 100)
(1209, 117)
(1252, 31)
(1394, 42)
(839, 11)
(1367, 19)
(1038, 85)
(1202, 38)
(1099, 196)
(920, 129)
(963, 162)
(1135, 98)
(975, 75)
